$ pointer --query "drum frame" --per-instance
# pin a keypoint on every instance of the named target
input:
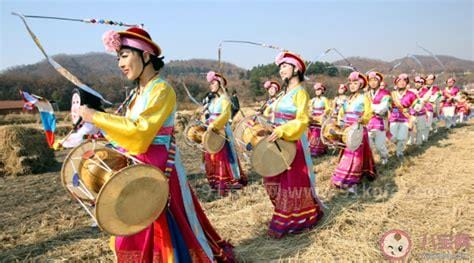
(89, 200)
(345, 131)
(338, 145)
(205, 134)
(190, 142)
(242, 146)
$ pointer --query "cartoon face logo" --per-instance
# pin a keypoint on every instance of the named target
(75, 104)
(395, 244)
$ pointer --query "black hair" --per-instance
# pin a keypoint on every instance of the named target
(157, 62)
(300, 76)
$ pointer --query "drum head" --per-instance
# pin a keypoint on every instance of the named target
(72, 162)
(131, 200)
(331, 134)
(212, 141)
(267, 160)
(246, 132)
(353, 135)
(193, 134)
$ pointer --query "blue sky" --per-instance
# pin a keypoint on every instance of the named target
(193, 29)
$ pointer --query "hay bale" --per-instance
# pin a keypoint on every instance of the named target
(24, 150)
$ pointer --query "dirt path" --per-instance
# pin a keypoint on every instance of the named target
(428, 195)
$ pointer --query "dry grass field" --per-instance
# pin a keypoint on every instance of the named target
(428, 194)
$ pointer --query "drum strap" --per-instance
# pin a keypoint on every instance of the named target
(397, 100)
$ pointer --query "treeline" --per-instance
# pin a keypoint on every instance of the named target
(100, 71)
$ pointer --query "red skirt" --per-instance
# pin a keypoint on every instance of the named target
(316, 145)
(353, 165)
(219, 171)
(171, 234)
(296, 209)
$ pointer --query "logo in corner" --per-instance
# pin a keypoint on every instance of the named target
(395, 244)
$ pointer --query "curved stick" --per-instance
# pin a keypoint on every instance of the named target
(65, 73)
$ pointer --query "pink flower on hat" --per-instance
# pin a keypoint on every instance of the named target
(373, 75)
(354, 76)
(111, 40)
(357, 76)
(419, 79)
(267, 84)
(319, 85)
(211, 75)
(403, 76)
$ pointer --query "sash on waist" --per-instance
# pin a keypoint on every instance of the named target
(163, 136)
(285, 116)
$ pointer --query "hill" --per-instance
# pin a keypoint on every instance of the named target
(408, 64)
(100, 71)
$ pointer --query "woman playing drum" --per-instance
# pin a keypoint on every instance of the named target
(339, 100)
(222, 168)
(273, 88)
(182, 233)
(353, 165)
(403, 101)
(319, 107)
(292, 192)
(449, 103)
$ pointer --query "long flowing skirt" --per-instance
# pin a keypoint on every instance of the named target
(219, 171)
(295, 207)
(316, 145)
(171, 238)
(353, 165)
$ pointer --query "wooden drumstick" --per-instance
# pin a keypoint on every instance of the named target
(282, 155)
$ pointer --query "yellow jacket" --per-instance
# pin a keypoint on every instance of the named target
(136, 133)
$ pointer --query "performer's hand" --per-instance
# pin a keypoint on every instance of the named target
(57, 145)
(273, 137)
(86, 113)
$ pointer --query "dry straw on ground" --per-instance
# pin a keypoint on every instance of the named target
(24, 150)
(428, 194)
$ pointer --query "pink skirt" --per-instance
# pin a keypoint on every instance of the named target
(296, 209)
(316, 146)
(354, 164)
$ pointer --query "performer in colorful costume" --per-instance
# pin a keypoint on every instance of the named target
(435, 96)
(182, 233)
(449, 103)
(418, 133)
(353, 165)
(339, 100)
(378, 124)
(463, 108)
(320, 108)
(223, 169)
(273, 88)
(402, 102)
(293, 192)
